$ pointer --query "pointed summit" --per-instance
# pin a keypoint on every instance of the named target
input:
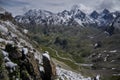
(74, 8)
(76, 12)
(94, 14)
(106, 11)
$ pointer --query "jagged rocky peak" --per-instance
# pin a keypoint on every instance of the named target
(106, 11)
(117, 22)
(75, 17)
(94, 14)
(30, 12)
(117, 13)
(76, 9)
(107, 15)
(66, 12)
(63, 13)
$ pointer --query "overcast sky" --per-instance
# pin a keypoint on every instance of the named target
(21, 6)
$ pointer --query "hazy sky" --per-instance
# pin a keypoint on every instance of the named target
(21, 6)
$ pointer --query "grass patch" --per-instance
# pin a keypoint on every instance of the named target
(53, 54)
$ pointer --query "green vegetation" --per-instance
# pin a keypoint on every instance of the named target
(71, 42)
(1, 61)
(115, 78)
(112, 78)
(75, 43)
(53, 54)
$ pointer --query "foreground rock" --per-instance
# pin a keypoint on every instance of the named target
(49, 67)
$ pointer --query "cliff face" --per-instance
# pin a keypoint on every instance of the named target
(19, 60)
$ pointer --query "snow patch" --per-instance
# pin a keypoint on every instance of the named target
(79, 21)
(99, 55)
(25, 31)
(113, 68)
(105, 59)
(25, 51)
(13, 35)
(6, 42)
(46, 54)
(98, 77)
(2, 40)
(7, 59)
(10, 25)
(41, 68)
(113, 61)
(69, 75)
(38, 56)
(10, 65)
(3, 29)
(113, 51)
(9, 42)
(5, 54)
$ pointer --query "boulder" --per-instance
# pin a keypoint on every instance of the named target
(49, 68)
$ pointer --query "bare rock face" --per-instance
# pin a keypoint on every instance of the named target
(35, 66)
(27, 64)
(6, 16)
(53, 69)
(14, 52)
(49, 68)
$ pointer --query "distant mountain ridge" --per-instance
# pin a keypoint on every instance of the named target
(74, 17)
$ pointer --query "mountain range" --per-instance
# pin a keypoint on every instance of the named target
(74, 17)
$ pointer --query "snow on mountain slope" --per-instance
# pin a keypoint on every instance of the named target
(76, 16)
(69, 75)
(117, 23)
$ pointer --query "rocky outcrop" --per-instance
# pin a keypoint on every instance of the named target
(6, 16)
(49, 68)
(18, 66)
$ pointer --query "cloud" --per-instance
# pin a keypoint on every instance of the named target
(21, 6)
(109, 4)
(55, 4)
(12, 3)
(106, 4)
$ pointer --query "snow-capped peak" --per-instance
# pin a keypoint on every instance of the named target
(94, 14)
(82, 7)
(106, 11)
(78, 15)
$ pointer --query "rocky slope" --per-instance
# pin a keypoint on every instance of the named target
(19, 59)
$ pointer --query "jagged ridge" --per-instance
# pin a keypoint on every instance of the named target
(73, 17)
